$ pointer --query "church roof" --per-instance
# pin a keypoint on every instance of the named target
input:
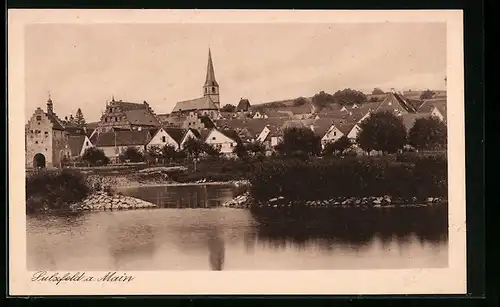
(202, 103)
(210, 80)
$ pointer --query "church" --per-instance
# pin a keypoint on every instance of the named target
(209, 103)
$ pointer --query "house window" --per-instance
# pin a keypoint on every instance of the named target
(231, 145)
(38, 117)
(36, 142)
(46, 134)
(213, 138)
(163, 139)
(87, 143)
(106, 119)
(39, 123)
(116, 119)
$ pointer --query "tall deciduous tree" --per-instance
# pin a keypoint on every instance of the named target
(299, 101)
(382, 131)
(322, 99)
(79, 119)
(428, 134)
(131, 154)
(299, 142)
(377, 91)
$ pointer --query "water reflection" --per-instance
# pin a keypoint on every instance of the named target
(233, 239)
(196, 196)
(216, 250)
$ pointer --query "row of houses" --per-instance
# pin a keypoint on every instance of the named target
(49, 140)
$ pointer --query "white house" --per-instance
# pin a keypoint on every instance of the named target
(331, 135)
(353, 133)
(164, 136)
(435, 112)
(189, 134)
(225, 140)
(343, 109)
(355, 106)
(257, 115)
(364, 117)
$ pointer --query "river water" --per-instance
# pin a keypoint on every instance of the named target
(192, 232)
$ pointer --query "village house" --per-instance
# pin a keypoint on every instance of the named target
(192, 134)
(116, 142)
(244, 106)
(46, 139)
(224, 140)
(166, 136)
(435, 107)
(209, 103)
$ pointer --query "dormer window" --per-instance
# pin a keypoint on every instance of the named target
(163, 139)
(38, 117)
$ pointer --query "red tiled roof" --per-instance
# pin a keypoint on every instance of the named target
(122, 138)
(75, 144)
(175, 133)
(141, 117)
(410, 118)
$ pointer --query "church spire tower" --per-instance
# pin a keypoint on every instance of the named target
(211, 87)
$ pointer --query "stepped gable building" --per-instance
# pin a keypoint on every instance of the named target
(209, 103)
(120, 115)
(46, 139)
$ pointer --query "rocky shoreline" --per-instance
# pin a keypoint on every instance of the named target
(102, 201)
(244, 201)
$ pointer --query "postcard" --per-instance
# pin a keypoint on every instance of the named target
(236, 152)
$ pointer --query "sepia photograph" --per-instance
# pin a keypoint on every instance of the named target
(237, 146)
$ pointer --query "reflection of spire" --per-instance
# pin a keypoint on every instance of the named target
(217, 251)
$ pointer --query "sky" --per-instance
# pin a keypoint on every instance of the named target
(85, 65)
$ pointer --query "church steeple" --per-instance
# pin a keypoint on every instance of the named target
(211, 87)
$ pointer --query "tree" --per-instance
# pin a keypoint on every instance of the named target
(241, 150)
(79, 119)
(300, 101)
(256, 148)
(229, 108)
(299, 142)
(131, 154)
(193, 147)
(153, 154)
(428, 134)
(95, 156)
(427, 94)
(169, 153)
(349, 96)
(382, 131)
(322, 99)
(374, 99)
(377, 91)
(337, 147)
(211, 151)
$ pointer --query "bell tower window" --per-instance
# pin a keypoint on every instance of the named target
(213, 90)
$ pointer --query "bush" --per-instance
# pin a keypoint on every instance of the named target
(95, 157)
(54, 190)
(348, 177)
(131, 154)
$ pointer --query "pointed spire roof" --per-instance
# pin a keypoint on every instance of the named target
(210, 80)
